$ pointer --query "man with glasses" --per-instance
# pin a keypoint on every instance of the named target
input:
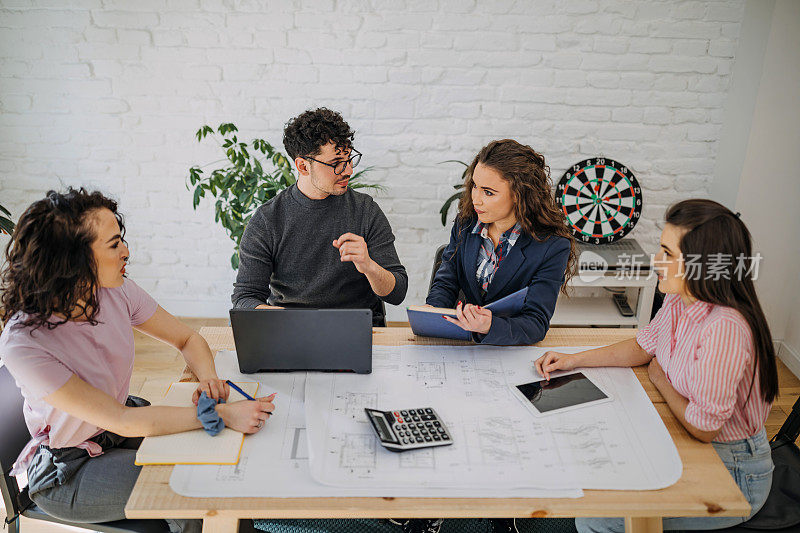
(319, 243)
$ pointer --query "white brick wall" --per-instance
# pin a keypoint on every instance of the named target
(108, 94)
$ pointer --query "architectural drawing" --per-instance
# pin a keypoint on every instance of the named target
(318, 444)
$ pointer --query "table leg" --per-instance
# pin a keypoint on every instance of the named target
(638, 525)
(220, 524)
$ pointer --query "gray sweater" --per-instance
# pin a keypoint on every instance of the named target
(286, 256)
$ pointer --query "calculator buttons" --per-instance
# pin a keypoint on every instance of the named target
(408, 429)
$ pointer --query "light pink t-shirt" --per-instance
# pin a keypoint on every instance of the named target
(42, 361)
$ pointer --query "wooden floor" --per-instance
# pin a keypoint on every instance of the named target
(157, 365)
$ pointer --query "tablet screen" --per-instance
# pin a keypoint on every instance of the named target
(561, 392)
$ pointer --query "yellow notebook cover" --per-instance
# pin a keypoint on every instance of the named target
(195, 447)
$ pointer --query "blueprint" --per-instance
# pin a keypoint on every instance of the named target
(492, 444)
(497, 442)
(619, 445)
(274, 462)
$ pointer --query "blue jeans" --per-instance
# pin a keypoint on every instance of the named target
(749, 461)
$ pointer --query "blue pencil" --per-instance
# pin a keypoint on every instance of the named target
(243, 393)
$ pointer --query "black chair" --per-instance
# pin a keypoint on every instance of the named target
(14, 437)
(781, 512)
(437, 261)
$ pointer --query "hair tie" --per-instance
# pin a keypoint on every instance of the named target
(737, 214)
(207, 414)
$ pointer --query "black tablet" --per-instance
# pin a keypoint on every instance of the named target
(560, 393)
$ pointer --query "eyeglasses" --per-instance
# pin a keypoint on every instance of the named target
(339, 166)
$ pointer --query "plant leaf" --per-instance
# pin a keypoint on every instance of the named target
(446, 207)
(6, 225)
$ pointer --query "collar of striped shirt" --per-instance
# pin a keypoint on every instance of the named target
(696, 311)
(511, 235)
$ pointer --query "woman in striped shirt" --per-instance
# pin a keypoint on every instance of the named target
(709, 351)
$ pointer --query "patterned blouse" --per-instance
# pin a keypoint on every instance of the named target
(489, 257)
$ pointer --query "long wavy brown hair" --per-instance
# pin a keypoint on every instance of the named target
(713, 230)
(534, 205)
(50, 272)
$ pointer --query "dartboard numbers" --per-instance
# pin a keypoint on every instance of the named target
(601, 200)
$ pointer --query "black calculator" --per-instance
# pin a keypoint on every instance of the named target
(409, 429)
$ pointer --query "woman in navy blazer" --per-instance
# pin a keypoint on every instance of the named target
(508, 234)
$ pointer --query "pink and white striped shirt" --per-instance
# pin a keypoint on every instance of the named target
(707, 354)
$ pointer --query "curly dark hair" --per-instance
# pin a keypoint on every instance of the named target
(534, 206)
(307, 133)
(50, 268)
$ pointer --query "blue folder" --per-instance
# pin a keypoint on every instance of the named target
(428, 322)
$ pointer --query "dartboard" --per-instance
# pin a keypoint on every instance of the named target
(601, 199)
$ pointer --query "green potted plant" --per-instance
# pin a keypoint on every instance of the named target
(457, 196)
(250, 174)
(6, 224)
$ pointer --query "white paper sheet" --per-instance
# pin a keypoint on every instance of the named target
(621, 444)
(467, 387)
(617, 445)
(275, 464)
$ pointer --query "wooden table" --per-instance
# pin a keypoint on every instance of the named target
(704, 489)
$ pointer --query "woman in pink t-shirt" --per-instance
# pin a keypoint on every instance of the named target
(68, 313)
(709, 351)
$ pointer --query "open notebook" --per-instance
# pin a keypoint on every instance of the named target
(196, 446)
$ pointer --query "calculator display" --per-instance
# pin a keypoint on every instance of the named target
(384, 433)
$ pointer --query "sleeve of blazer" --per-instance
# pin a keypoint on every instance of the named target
(531, 324)
(445, 286)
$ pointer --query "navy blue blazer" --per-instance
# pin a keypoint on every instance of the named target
(538, 265)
